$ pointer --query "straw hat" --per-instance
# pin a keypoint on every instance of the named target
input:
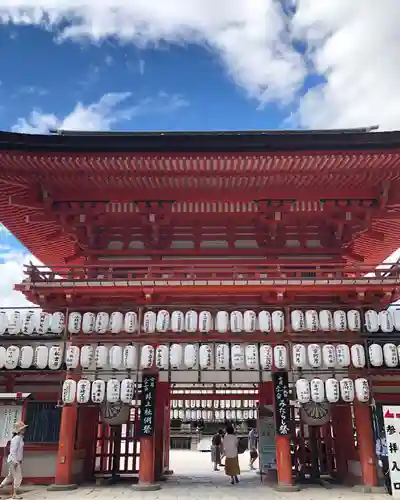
(18, 427)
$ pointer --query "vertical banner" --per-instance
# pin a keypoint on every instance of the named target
(281, 403)
(147, 406)
(9, 415)
(391, 419)
(266, 436)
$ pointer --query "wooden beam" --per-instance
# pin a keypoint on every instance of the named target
(29, 202)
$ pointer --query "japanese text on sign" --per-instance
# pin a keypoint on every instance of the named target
(391, 419)
(147, 407)
(282, 404)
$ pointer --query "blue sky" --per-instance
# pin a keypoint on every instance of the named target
(195, 65)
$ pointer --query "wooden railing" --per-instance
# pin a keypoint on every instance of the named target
(206, 271)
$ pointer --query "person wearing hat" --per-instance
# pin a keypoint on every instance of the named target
(14, 459)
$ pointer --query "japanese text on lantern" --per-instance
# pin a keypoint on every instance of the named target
(391, 419)
(282, 414)
(147, 407)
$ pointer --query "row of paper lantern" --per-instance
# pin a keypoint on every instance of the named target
(99, 391)
(216, 403)
(226, 356)
(192, 321)
(212, 416)
(332, 390)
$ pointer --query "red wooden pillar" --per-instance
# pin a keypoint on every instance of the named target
(88, 418)
(366, 447)
(344, 439)
(147, 461)
(265, 393)
(167, 432)
(64, 479)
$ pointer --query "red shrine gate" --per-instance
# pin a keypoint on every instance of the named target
(245, 221)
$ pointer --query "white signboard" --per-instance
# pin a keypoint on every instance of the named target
(391, 419)
(9, 415)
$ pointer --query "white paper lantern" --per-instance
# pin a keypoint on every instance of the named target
(15, 323)
(251, 356)
(297, 320)
(266, 357)
(314, 354)
(98, 393)
(280, 357)
(354, 320)
(237, 356)
(205, 322)
(343, 358)
(163, 321)
(130, 322)
(68, 391)
(127, 391)
(325, 320)
(299, 355)
(371, 321)
(358, 356)
(162, 357)
(245, 415)
(386, 322)
(264, 321)
(55, 357)
(116, 322)
(130, 357)
(239, 415)
(329, 355)
(204, 415)
(26, 356)
(41, 358)
(340, 321)
(74, 322)
(113, 391)
(190, 356)
(115, 359)
(191, 321)
(312, 322)
(347, 390)
(222, 357)
(147, 356)
(236, 322)
(44, 323)
(3, 322)
(278, 321)
(205, 357)
(87, 356)
(101, 356)
(332, 390)
(12, 357)
(390, 355)
(102, 322)
(88, 322)
(222, 322)
(175, 356)
(83, 391)
(362, 390)
(317, 390)
(303, 390)
(395, 312)
(3, 357)
(250, 321)
(375, 355)
(149, 322)
(28, 323)
(72, 357)
(57, 323)
(177, 321)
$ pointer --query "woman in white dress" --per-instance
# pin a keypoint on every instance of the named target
(14, 459)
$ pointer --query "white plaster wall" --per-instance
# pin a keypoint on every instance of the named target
(36, 464)
(354, 467)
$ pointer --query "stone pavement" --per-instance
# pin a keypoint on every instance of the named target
(194, 479)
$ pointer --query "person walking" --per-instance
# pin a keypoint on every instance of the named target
(253, 447)
(216, 449)
(230, 446)
(383, 461)
(14, 459)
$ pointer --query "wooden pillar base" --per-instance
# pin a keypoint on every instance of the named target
(62, 487)
(146, 487)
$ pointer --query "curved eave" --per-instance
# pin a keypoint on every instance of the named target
(167, 142)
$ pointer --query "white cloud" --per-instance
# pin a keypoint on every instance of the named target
(249, 36)
(110, 110)
(354, 45)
